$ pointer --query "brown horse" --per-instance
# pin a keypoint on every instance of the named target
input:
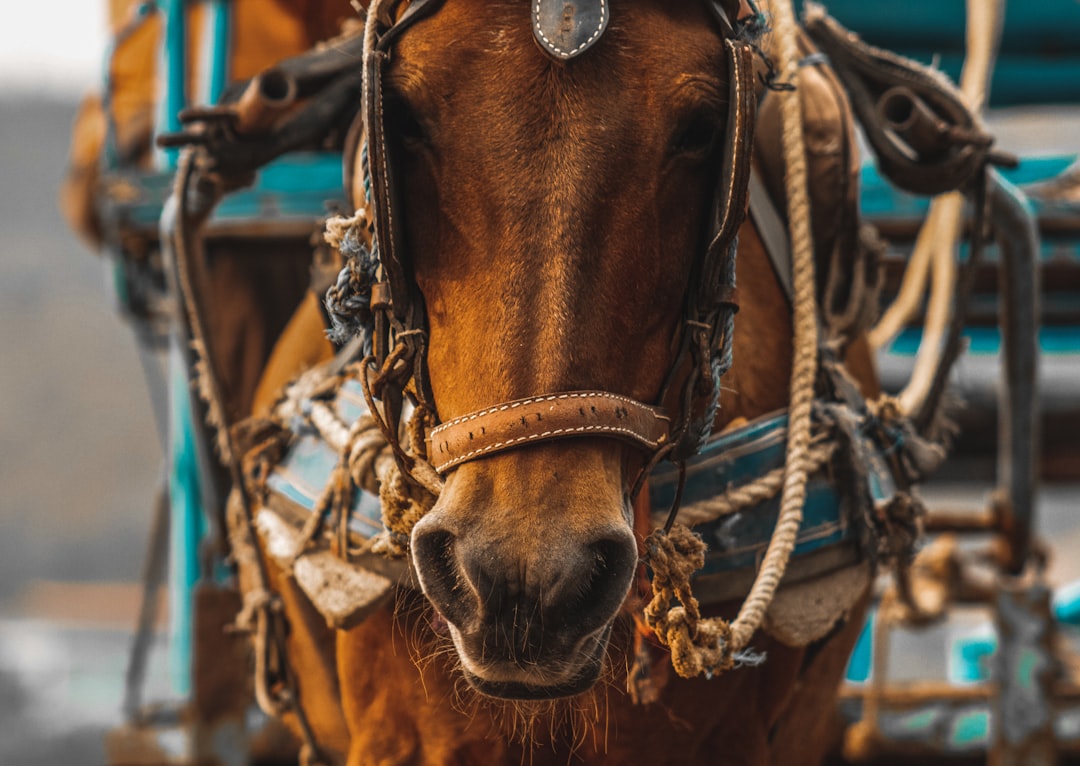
(554, 212)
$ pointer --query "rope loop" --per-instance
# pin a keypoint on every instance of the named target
(698, 646)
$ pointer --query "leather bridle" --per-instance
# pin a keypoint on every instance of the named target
(704, 353)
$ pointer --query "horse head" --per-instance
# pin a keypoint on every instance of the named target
(555, 211)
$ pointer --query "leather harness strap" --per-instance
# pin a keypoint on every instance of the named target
(543, 418)
(400, 316)
(772, 229)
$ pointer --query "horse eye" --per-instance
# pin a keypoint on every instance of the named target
(697, 135)
(403, 124)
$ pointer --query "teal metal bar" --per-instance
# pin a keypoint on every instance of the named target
(187, 524)
(862, 656)
(185, 482)
(1066, 604)
(219, 50)
(987, 340)
(174, 80)
(878, 199)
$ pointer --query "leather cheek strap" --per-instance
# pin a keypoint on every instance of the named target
(545, 418)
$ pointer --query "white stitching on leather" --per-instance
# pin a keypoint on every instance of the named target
(387, 248)
(551, 44)
(546, 434)
(547, 398)
(736, 140)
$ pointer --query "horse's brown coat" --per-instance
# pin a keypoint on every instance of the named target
(551, 225)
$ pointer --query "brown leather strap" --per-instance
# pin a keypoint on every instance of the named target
(543, 418)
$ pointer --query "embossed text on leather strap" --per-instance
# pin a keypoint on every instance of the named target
(543, 418)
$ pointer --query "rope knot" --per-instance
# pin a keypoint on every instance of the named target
(698, 646)
(674, 556)
(348, 300)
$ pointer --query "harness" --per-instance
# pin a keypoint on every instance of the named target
(326, 443)
(679, 422)
(855, 506)
(830, 537)
(692, 386)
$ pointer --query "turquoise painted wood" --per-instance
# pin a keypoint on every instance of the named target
(296, 187)
(1046, 26)
(970, 657)
(880, 200)
(1039, 59)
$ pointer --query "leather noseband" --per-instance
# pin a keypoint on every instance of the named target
(544, 418)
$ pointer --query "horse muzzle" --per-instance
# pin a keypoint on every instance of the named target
(530, 593)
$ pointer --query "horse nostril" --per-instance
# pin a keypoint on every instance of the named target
(598, 587)
(435, 562)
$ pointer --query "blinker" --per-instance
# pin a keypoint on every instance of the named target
(567, 28)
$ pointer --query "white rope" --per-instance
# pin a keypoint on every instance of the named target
(804, 367)
(709, 646)
(935, 248)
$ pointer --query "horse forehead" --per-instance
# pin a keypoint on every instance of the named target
(470, 43)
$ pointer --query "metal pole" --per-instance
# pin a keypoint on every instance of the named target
(1018, 403)
(219, 25)
(1025, 670)
(173, 77)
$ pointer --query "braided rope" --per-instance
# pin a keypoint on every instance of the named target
(804, 368)
(710, 646)
(348, 300)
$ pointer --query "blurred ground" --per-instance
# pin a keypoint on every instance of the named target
(78, 455)
(79, 462)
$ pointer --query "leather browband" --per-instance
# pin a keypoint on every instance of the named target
(543, 418)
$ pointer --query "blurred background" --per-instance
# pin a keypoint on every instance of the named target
(80, 459)
(79, 455)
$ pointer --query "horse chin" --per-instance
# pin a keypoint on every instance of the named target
(534, 685)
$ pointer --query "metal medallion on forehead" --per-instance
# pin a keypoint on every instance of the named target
(566, 28)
